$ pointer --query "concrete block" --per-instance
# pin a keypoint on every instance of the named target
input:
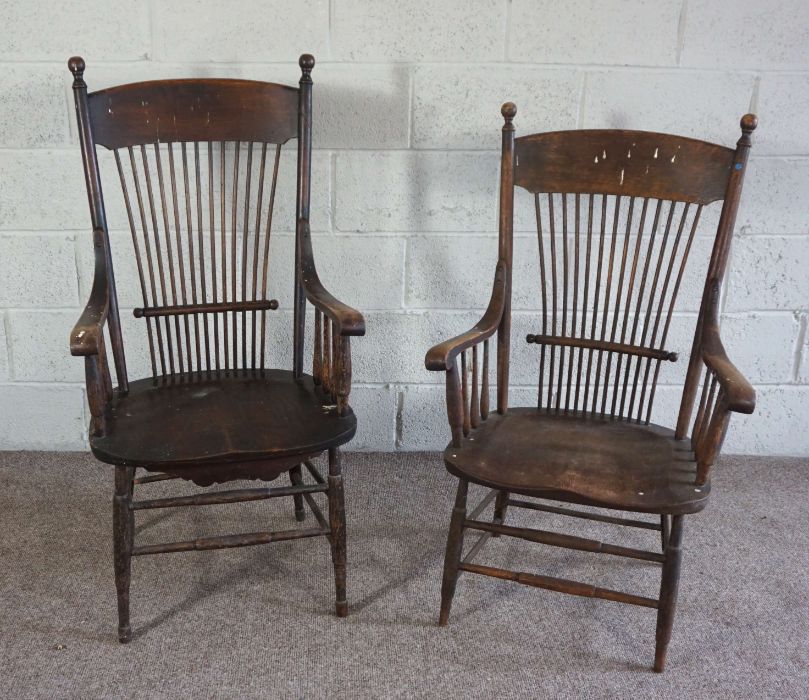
(375, 408)
(459, 106)
(776, 426)
(704, 106)
(44, 31)
(783, 103)
(418, 31)
(4, 365)
(51, 196)
(745, 34)
(590, 31)
(762, 345)
(42, 417)
(40, 347)
(204, 30)
(37, 271)
(768, 273)
(34, 109)
(411, 191)
(773, 201)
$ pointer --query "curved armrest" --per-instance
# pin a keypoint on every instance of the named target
(86, 335)
(442, 356)
(347, 321)
(740, 395)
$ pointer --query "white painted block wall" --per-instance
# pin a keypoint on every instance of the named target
(407, 98)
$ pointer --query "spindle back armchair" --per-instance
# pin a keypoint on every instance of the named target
(617, 213)
(198, 163)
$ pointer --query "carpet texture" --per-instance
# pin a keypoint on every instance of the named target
(258, 621)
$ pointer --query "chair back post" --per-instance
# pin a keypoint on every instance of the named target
(304, 186)
(97, 212)
(717, 266)
(506, 245)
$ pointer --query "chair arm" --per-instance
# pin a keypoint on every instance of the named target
(740, 396)
(86, 336)
(442, 356)
(347, 321)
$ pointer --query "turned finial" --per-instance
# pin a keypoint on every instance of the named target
(307, 63)
(509, 111)
(76, 65)
(749, 123)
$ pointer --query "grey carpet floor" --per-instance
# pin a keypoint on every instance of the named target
(258, 622)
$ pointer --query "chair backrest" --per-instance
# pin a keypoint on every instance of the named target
(197, 162)
(616, 214)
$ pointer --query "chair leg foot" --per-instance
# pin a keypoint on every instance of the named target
(453, 553)
(123, 527)
(296, 478)
(338, 531)
(668, 591)
(500, 507)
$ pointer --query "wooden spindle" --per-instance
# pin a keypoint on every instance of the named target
(138, 260)
(484, 391)
(149, 262)
(256, 244)
(224, 251)
(317, 355)
(543, 294)
(212, 233)
(554, 287)
(192, 273)
(158, 255)
(270, 206)
(234, 211)
(327, 355)
(245, 238)
(474, 417)
(169, 254)
(465, 395)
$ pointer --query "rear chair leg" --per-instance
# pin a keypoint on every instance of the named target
(452, 558)
(337, 521)
(296, 478)
(500, 507)
(123, 527)
(665, 528)
(668, 591)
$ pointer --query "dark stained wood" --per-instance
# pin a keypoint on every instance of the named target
(629, 522)
(244, 415)
(560, 585)
(582, 459)
(668, 591)
(163, 111)
(602, 345)
(187, 309)
(626, 163)
(556, 539)
(198, 164)
(235, 496)
(617, 213)
(226, 541)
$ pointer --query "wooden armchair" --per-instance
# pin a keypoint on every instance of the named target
(198, 163)
(617, 212)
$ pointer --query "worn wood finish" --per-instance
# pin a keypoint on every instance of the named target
(199, 109)
(626, 163)
(582, 459)
(198, 165)
(193, 419)
(617, 213)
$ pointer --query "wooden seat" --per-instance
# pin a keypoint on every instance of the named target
(591, 460)
(199, 419)
(196, 164)
(617, 213)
